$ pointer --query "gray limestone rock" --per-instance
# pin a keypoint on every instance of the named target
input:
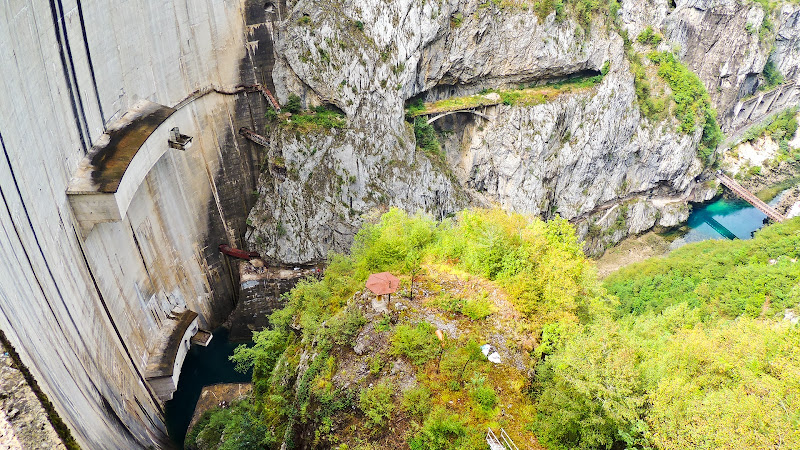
(578, 155)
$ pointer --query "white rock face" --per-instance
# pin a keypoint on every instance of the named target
(578, 155)
(575, 153)
(719, 40)
(312, 199)
(787, 43)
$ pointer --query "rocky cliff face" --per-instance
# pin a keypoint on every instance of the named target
(587, 154)
(727, 43)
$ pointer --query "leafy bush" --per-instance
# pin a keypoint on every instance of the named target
(320, 118)
(651, 108)
(692, 102)
(377, 404)
(316, 119)
(427, 140)
(475, 308)
(294, 105)
(417, 401)
(344, 326)
(772, 76)
(588, 392)
(781, 128)
(734, 277)
(483, 395)
(649, 37)
(236, 427)
(263, 354)
(419, 344)
(441, 431)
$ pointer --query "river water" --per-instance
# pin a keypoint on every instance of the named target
(203, 366)
(723, 219)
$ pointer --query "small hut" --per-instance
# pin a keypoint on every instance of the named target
(383, 283)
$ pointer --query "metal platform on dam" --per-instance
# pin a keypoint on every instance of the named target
(106, 179)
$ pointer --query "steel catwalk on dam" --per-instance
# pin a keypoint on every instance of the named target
(87, 308)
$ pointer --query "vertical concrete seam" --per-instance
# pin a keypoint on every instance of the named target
(91, 65)
(57, 29)
(141, 255)
(49, 270)
(72, 70)
(36, 236)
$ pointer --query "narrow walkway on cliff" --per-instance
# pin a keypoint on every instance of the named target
(747, 196)
(530, 95)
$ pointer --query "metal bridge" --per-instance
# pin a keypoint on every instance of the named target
(719, 228)
(253, 136)
(747, 196)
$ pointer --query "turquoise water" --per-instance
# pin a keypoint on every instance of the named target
(723, 219)
(203, 366)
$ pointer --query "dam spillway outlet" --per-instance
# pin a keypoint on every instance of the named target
(175, 337)
(108, 177)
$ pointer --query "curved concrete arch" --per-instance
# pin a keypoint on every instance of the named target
(108, 177)
(471, 111)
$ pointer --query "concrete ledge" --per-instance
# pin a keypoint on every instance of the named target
(108, 177)
(165, 362)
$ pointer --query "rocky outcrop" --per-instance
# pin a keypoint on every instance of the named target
(728, 43)
(23, 421)
(317, 187)
(720, 40)
(786, 53)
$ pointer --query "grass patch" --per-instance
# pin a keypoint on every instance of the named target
(419, 344)
(771, 192)
(426, 137)
(476, 308)
(376, 403)
(320, 118)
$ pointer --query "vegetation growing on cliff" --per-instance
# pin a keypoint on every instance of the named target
(780, 128)
(582, 10)
(320, 118)
(692, 102)
(688, 351)
(536, 269)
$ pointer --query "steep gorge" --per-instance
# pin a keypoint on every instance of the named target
(578, 155)
(85, 312)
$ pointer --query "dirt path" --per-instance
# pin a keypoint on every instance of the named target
(631, 250)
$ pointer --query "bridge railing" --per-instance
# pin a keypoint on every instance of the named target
(747, 196)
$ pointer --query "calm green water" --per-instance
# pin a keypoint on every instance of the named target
(723, 219)
(203, 366)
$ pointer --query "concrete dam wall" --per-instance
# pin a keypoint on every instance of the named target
(87, 308)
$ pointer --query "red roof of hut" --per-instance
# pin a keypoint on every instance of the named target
(383, 283)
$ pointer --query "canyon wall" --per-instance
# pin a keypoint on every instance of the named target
(589, 155)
